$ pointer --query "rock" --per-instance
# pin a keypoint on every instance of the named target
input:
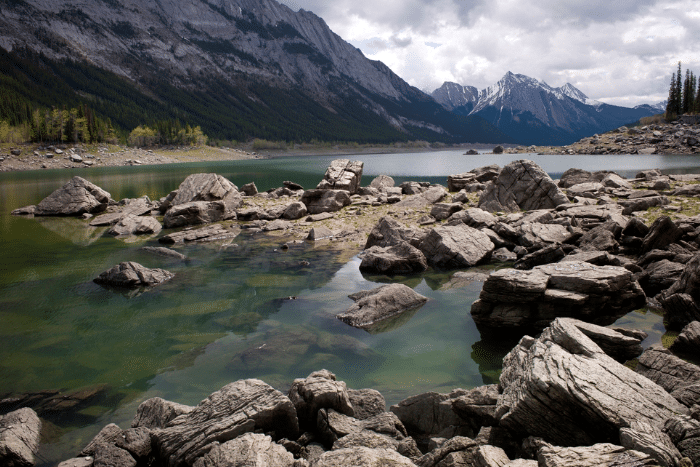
(549, 254)
(432, 195)
(137, 442)
(319, 233)
(363, 457)
(574, 177)
(78, 462)
(505, 255)
(662, 233)
(414, 188)
(442, 211)
(604, 454)
(237, 408)
(650, 439)
(24, 211)
(197, 212)
(660, 276)
(643, 204)
(458, 451)
(402, 258)
(429, 413)
(563, 388)
(680, 301)
(367, 439)
(382, 182)
(19, 438)
(498, 150)
(249, 189)
(210, 233)
(319, 201)
(514, 299)
(389, 232)
(250, 450)
(613, 180)
(667, 370)
(278, 224)
(649, 175)
(685, 434)
(75, 198)
(157, 413)
(109, 434)
(586, 190)
(478, 406)
(136, 225)
(319, 390)
(688, 341)
(522, 185)
(458, 182)
(366, 403)
(332, 426)
(136, 207)
(164, 252)
(74, 158)
(320, 217)
(599, 239)
(207, 187)
(295, 210)
(458, 246)
(379, 304)
(473, 217)
(342, 174)
(616, 343)
(635, 227)
(133, 275)
(535, 235)
(109, 455)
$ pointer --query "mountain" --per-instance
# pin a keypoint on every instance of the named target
(532, 112)
(658, 108)
(457, 98)
(238, 68)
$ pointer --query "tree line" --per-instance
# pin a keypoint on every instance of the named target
(683, 94)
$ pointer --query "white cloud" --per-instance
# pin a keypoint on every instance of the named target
(621, 52)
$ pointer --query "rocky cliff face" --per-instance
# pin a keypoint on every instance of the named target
(457, 98)
(533, 112)
(193, 43)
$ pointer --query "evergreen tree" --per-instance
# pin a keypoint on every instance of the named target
(678, 104)
(671, 110)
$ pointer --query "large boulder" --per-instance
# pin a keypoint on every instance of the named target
(522, 185)
(456, 246)
(564, 388)
(197, 212)
(241, 407)
(599, 455)
(429, 413)
(253, 450)
(382, 182)
(681, 301)
(575, 177)
(133, 275)
(135, 225)
(363, 457)
(319, 201)
(374, 306)
(530, 300)
(390, 232)
(157, 413)
(662, 233)
(342, 174)
(19, 438)
(688, 341)
(135, 207)
(678, 377)
(398, 259)
(75, 198)
(206, 187)
(319, 390)
(685, 434)
(432, 195)
(366, 402)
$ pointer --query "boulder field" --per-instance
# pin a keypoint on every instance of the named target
(565, 259)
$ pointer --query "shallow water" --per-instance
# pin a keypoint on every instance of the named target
(235, 310)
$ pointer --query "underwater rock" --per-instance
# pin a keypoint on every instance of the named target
(133, 275)
(379, 304)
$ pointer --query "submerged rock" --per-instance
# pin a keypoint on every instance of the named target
(379, 304)
(133, 275)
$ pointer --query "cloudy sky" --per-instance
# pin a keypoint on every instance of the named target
(621, 52)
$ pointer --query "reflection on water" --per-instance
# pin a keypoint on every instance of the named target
(232, 311)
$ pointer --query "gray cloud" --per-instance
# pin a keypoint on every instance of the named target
(620, 51)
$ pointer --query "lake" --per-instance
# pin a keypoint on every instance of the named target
(246, 309)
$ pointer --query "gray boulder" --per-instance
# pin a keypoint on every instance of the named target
(643, 204)
(432, 195)
(164, 252)
(660, 276)
(319, 201)
(379, 304)
(19, 438)
(249, 189)
(402, 258)
(574, 177)
(564, 388)
(206, 187)
(295, 210)
(662, 233)
(685, 434)
(197, 212)
(522, 185)
(135, 225)
(366, 403)
(210, 233)
(390, 232)
(442, 211)
(680, 301)
(109, 455)
(133, 275)
(108, 435)
(136, 207)
(241, 407)
(75, 198)
(652, 440)
(458, 246)
(675, 375)
(342, 174)
(429, 413)
(599, 455)
(319, 390)
(363, 457)
(157, 413)
(613, 180)
(688, 341)
(473, 217)
(531, 299)
(250, 450)
(382, 182)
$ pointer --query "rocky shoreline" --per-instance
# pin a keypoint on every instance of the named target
(571, 257)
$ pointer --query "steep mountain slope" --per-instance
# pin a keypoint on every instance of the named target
(285, 71)
(532, 112)
(457, 98)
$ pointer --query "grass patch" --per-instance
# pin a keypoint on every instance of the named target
(669, 338)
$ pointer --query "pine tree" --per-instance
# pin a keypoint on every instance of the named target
(678, 104)
(671, 110)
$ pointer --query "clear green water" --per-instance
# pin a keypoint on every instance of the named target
(225, 316)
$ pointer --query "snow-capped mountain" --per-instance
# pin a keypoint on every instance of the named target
(457, 98)
(533, 112)
(658, 108)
